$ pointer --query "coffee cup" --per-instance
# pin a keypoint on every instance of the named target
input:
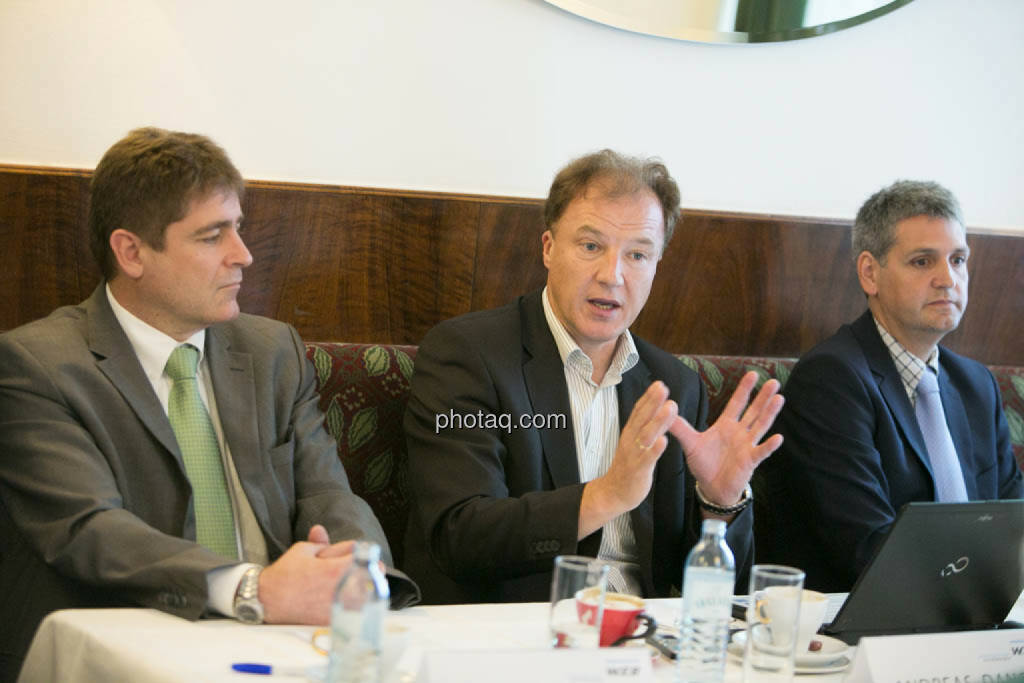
(623, 615)
(813, 606)
(778, 610)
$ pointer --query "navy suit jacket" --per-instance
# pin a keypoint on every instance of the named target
(853, 453)
(492, 508)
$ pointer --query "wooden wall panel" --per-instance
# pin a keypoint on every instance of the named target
(729, 283)
(45, 260)
(508, 256)
(369, 265)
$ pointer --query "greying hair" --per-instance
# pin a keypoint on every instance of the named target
(621, 175)
(147, 180)
(874, 228)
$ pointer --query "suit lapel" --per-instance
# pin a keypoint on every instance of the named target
(116, 359)
(234, 387)
(891, 385)
(544, 376)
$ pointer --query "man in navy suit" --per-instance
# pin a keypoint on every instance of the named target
(854, 449)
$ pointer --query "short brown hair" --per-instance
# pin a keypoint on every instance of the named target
(148, 180)
(623, 174)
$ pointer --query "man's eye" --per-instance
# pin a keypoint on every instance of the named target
(639, 256)
(589, 246)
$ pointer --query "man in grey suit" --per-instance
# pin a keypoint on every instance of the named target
(105, 486)
(545, 428)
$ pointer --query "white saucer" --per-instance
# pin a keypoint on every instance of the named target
(831, 658)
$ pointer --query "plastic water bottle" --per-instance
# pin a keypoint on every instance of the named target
(708, 580)
(357, 619)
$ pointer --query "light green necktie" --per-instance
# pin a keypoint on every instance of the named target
(215, 522)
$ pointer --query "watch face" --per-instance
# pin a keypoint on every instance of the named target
(249, 614)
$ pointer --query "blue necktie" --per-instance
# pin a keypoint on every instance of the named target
(949, 478)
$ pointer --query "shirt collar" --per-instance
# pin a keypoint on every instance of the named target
(573, 356)
(151, 346)
(909, 366)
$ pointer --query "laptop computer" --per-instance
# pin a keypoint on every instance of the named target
(943, 567)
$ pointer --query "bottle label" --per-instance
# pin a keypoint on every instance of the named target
(707, 593)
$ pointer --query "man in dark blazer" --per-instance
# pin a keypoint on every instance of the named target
(854, 452)
(97, 501)
(544, 428)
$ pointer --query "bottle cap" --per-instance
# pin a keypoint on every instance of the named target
(367, 551)
(713, 526)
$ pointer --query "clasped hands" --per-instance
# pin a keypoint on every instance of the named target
(722, 458)
(298, 587)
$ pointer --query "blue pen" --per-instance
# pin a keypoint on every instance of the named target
(268, 669)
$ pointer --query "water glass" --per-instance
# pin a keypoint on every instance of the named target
(578, 588)
(773, 622)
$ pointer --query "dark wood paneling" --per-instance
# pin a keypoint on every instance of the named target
(730, 283)
(45, 260)
(369, 265)
(508, 256)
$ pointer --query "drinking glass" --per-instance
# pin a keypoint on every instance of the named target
(773, 621)
(577, 601)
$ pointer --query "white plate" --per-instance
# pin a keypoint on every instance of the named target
(830, 658)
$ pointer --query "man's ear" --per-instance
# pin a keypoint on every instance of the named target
(127, 247)
(547, 242)
(867, 272)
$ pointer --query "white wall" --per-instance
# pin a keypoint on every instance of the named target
(492, 96)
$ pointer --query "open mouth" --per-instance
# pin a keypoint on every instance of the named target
(604, 304)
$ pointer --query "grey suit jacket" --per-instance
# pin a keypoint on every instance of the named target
(95, 505)
(492, 508)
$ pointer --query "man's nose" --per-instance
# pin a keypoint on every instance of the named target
(239, 254)
(945, 275)
(611, 269)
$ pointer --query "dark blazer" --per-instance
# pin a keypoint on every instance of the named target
(853, 453)
(95, 506)
(493, 507)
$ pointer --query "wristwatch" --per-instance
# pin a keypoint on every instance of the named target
(705, 504)
(248, 608)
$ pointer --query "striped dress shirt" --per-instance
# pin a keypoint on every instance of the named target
(595, 422)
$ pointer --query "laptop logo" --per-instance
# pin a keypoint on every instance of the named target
(954, 567)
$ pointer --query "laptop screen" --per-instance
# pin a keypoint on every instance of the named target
(943, 566)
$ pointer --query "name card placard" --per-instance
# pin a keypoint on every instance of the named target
(992, 656)
(604, 665)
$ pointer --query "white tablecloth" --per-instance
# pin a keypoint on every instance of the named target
(144, 645)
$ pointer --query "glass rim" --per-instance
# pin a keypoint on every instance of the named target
(779, 570)
(580, 562)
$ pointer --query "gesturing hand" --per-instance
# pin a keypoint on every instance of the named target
(723, 457)
(628, 479)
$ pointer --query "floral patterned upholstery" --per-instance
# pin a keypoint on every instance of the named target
(363, 392)
(721, 374)
(364, 389)
(1011, 386)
